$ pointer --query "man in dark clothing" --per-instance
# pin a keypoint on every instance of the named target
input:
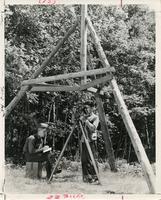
(34, 148)
(90, 121)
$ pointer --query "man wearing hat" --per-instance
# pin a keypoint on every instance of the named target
(91, 122)
(34, 148)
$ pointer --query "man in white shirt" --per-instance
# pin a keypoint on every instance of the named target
(90, 121)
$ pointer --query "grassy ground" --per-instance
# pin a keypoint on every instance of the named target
(128, 180)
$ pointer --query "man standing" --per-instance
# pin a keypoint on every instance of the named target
(34, 148)
(90, 121)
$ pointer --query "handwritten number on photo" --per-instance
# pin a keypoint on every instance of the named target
(47, 1)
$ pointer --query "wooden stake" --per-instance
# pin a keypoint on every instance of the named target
(90, 151)
(21, 93)
(139, 149)
(83, 50)
(61, 154)
(106, 134)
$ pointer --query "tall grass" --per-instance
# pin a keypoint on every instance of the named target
(128, 180)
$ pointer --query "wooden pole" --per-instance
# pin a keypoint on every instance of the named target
(21, 93)
(83, 50)
(97, 43)
(67, 76)
(139, 149)
(61, 154)
(90, 151)
(108, 144)
(135, 139)
(106, 134)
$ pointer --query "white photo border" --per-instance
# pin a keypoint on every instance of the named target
(156, 6)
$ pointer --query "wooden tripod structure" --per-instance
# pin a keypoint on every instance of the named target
(39, 84)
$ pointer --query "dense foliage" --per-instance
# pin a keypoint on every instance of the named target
(127, 36)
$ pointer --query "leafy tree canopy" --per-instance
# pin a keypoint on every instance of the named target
(127, 36)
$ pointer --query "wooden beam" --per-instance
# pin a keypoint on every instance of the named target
(106, 134)
(135, 139)
(21, 93)
(83, 50)
(53, 88)
(66, 76)
(139, 149)
(97, 43)
(66, 88)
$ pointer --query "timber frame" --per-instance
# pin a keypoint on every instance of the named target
(41, 84)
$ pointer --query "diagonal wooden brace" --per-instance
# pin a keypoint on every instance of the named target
(135, 139)
(53, 88)
(21, 93)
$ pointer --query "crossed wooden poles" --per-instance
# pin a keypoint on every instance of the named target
(88, 148)
(39, 84)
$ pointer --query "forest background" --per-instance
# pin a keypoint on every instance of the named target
(127, 35)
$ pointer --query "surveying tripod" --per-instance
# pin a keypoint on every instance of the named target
(87, 145)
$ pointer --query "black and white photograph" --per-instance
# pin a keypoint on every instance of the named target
(80, 99)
